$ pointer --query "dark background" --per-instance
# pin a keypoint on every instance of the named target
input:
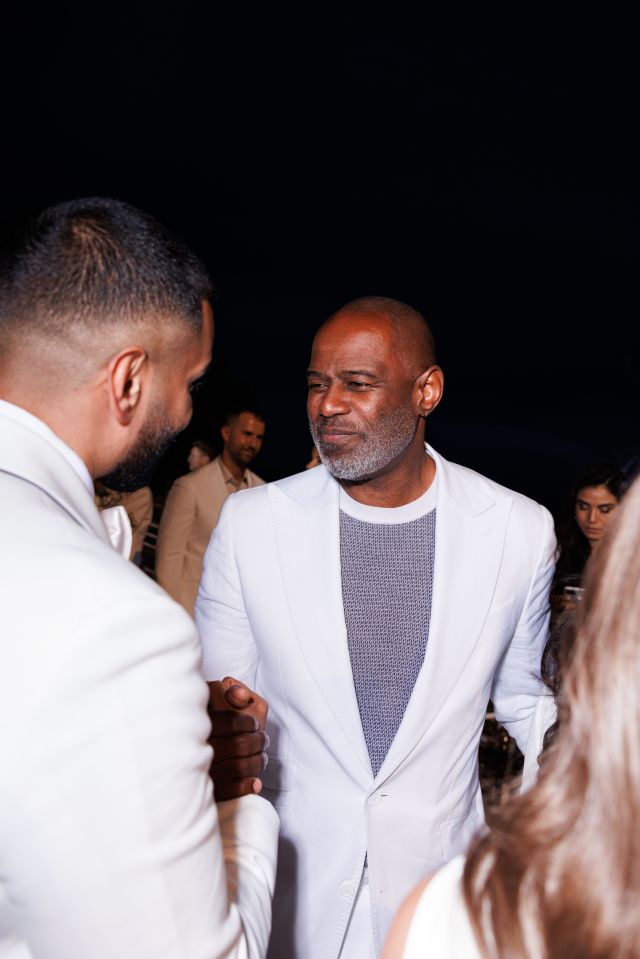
(484, 173)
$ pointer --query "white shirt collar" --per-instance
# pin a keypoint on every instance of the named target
(394, 514)
(32, 422)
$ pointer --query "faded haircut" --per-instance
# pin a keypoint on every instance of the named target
(237, 411)
(91, 265)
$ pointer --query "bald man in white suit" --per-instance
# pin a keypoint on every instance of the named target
(378, 601)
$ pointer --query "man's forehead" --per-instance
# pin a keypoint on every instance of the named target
(248, 421)
(350, 336)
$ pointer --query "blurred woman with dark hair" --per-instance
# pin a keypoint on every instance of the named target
(558, 875)
(593, 500)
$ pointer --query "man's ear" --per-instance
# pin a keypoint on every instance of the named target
(127, 372)
(429, 388)
(225, 433)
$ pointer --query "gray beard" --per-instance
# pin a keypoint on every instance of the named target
(394, 433)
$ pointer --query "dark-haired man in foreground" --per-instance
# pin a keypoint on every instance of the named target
(110, 842)
(378, 601)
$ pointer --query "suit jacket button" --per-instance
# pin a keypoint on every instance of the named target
(347, 889)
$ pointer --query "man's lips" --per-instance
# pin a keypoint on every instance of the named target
(331, 434)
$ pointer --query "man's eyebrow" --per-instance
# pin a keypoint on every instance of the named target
(368, 373)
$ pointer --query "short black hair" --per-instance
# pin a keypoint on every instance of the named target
(206, 448)
(90, 263)
(236, 411)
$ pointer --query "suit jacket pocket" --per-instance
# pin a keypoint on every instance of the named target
(505, 604)
(501, 619)
(278, 780)
(456, 834)
(279, 774)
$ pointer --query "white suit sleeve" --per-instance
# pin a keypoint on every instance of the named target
(111, 843)
(544, 716)
(229, 648)
(517, 685)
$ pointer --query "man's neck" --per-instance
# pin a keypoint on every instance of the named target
(38, 424)
(236, 471)
(63, 419)
(402, 484)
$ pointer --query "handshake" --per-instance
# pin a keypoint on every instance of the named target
(238, 717)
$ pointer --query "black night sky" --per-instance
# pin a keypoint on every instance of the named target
(487, 177)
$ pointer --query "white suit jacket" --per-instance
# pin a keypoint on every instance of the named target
(270, 612)
(110, 844)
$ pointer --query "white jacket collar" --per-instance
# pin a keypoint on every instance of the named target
(471, 498)
(29, 455)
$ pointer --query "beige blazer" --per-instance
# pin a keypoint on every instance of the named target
(188, 518)
(139, 507)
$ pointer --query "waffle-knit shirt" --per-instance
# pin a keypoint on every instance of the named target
(387, 566)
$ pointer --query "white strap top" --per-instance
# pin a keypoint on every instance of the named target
(440, 927)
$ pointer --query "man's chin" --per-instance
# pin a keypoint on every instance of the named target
(125, 480)
(342, 468)
(137, 469)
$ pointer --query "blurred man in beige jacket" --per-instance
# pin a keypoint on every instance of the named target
(194, 503)
(201, 454)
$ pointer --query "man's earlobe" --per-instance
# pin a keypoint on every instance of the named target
(431, 386)
(127, 371)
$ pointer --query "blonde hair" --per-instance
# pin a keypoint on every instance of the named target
(559, 873)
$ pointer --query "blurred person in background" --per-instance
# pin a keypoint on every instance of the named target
(200, 454)
(314, 459)
(592, 503)
(194, 502)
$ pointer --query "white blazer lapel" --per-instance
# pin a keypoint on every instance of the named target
(470, 532)
(29, 456)
(306, 518)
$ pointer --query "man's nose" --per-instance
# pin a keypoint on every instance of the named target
(334, 401)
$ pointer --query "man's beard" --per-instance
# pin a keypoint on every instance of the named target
(136, 469)
(242, 458)
(393, 434)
